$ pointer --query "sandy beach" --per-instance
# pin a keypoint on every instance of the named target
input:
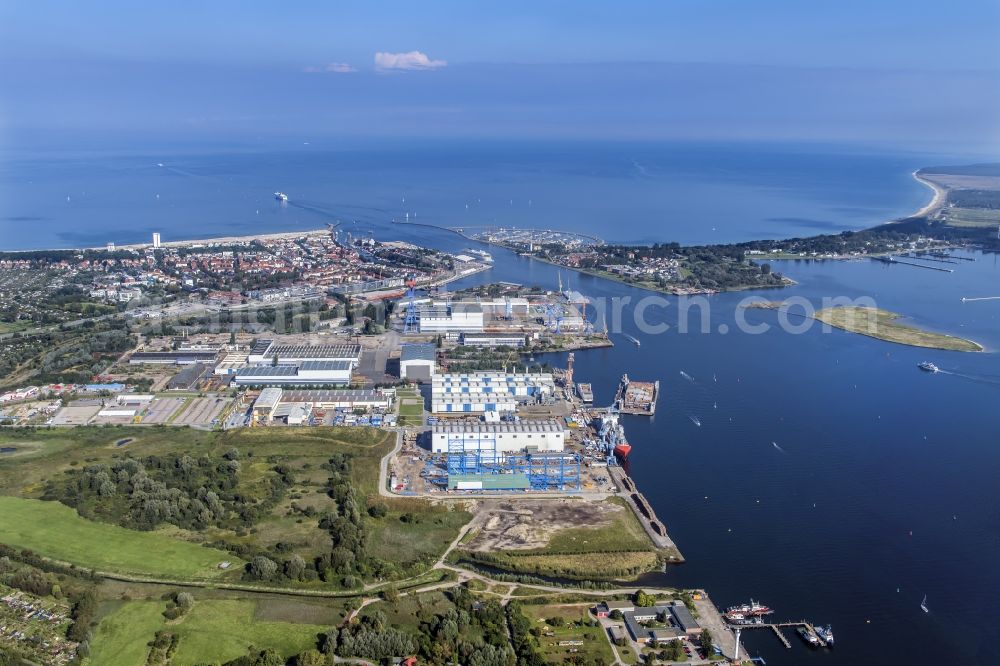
(940, 194)
(226, 240)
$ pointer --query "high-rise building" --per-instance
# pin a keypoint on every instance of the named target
(111, 247)
(156, 240)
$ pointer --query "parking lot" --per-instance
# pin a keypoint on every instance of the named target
(161, 409)
(79, 412)
(201, 411)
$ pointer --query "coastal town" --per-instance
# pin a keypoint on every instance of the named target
(680, 270)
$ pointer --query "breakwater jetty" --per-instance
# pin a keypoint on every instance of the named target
(894, 260)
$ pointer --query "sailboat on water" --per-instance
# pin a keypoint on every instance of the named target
(923, 605)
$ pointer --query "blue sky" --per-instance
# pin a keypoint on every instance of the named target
(876, 71)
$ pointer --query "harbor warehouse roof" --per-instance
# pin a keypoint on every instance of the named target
(684, 618)
(315, 351)
(268, 371)
(497, 428)
(326, 395)
(268, 398)
(261, 346)
(418, 352)
(319, 366)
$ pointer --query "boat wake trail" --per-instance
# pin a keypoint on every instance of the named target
(330, 213)
(687, 376)
(775, 445)
(694, 420)
(183, 172)
(985, 380)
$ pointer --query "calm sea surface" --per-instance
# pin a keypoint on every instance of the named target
(828, 478)
(686, 192)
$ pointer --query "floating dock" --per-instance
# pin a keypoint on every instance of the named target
(586, 393)
(637, 397)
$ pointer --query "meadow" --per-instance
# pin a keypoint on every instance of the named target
(212, 631)
(56, 531)
(410, 536)
(568, 624)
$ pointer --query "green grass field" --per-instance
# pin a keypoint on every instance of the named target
(972, 217)
(616, 548)
(48, 454)
(415, 544)
(213, 631)
(57, 449)
(14, 326)
(622, 533)
(56, 531)
(409, 611)
(593, 643)
(411, 407)
(883, 325)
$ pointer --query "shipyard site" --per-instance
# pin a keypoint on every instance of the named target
(451, 377)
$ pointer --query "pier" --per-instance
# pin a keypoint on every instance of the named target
(921, 257)
(781, 636)
(776, 627)
(944, 255)
(643, 511)
(894, 260)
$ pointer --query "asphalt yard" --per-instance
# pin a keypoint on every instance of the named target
(161, 409)
(200, 411)
(76, 413)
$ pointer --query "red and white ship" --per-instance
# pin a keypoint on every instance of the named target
(746, 611)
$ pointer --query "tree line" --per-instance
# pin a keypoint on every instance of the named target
(191, 493)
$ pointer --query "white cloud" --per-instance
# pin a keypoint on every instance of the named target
(412, 61)
(333, 67)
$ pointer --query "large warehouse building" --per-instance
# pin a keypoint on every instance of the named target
(450, 317)
(501, 438)
(269, 352)
(416, 362)
(488, 391)
(492, 340)
(341, 398)
(175, 357)
(266, 403)
(308, 373)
